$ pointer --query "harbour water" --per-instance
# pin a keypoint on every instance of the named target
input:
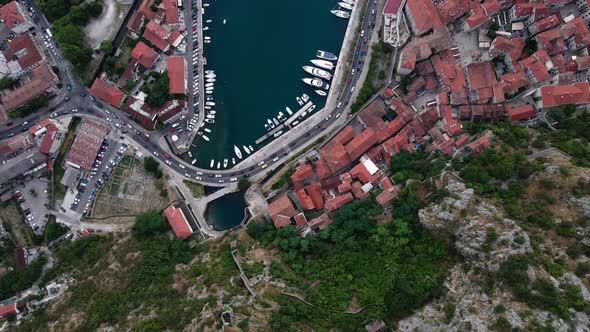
(257, 56)
(227, 211)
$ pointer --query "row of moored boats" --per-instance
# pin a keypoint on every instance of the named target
(342, 9)
(320, 72)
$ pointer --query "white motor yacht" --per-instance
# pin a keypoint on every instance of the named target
(205, 138)
(237, 151)
(211, 163)
(323, 64)
(246, 149)
(225, 163)
(321, 93)
(317, 72)
(289, 111)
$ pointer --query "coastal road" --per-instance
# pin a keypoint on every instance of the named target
(247, 168)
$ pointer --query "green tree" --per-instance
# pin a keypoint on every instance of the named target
(148, 223)
(106, 47)
(6, 82)
(152, 166)
(244, 184)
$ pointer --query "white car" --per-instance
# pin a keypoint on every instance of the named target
(339, 104)
(198, 178)
(233, 179)
(181, 166)
(187, 175)
(156, 154)
(337, 115)
(261, 163)
(199, 173)
(168, 162)
(275, 159)
(217, 175)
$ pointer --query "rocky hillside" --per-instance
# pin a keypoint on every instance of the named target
(522, 273)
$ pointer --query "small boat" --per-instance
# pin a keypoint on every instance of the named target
(205, 28)
(210, 20)
(202, 124)
(210, 80)
(282, 116)
(209, 71)
(207, 107)
(278, 133)
(210, 116)
(327, 55)
(212, 112)
(209, 98)
(210, 103)
(210, 76)
(246, 149)
(209, 92)
(275, 121)
(237, 151)
(340, 13)
(270, 123)
(190, 155)
(200, 133)
(352, 2)
(289, 110)
(194, 161)
(218, 165)
(299, 101)
(321, 93)
(317, 72)
(205, 5)
(304, 97)
(207, 41)
(211, 163)
(266, 127)
(209, 84)
(303, 115)
(209, 120)
(205, 138)
(296, 122)
(225, 163)
(316, 83)
(251, 148)
(207, 37)
(311, 108)
(323, 64)
(207, 130)
(224, 20)
(233, 161)
(345, 5)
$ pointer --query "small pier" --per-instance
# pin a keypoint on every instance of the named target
(286, 123)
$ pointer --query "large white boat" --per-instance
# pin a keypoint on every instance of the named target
(317, 72)
(340, 13)
(323, 64)
(237, 151)
(218, 164)
(316, 83)
(299, 101)
(210, 103)
(267, 127)
(210, 80)
(352, 2)
(205, 138)
(207, 130)
(345, 5)
(311, 108)
(321, 93)
(289, 110)
(326, 55)
(210, 116)
(209, 120)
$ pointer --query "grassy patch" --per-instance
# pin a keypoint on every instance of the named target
(197, 190)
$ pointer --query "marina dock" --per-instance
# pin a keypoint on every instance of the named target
(286, 123)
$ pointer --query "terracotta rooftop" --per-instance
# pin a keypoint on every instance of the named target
(300, 220)
(107, 92)
(480, 75)
(335, 156)
(23, 50)
(144, 55)
(281, 210)
(157, 35)
(302, 172)
(345, 135)
(361, 143)
(392, 7)
(577, 93)
(176, 74)
(304, 199)
(520, 113)
(320, 222)
(480, 144)
(178, 221)
(511, 47)
(424, 15)
(337, 202)
(450, 10)
(514, 81)
(40, 83)
(315, 193)
(86, 144)
(11, 14)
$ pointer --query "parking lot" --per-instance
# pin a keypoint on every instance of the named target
(33, 199)
(80, 198)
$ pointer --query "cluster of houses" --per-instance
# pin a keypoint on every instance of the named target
(159, 34)
(462, 61)
(23, 61)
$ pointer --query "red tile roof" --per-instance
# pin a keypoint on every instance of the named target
(175, 216)
(345, 135)
(577, 93)
(539, 71)
(386, 183)
(47, 142)
(23, 50)
(361, 143)
(392, 6)
(578, 29)
(460, 142)
(8, 310)
(15, 144)
(480, 144)
(424, 15)
(338, 202)
(450, 10)
(322, 169)
(391, 128)
(302, 172)
(157, 35)
(514, 81)
(335, 156)
(281, 210)
(11, 14)
(548, 22)
(176, 74)
(315, 193)
(320, 222)
(144, 12)
(86, 144)
(551, 40)
(447, 147)
(172, 15)
(304, 199)
(511, 47)
(451, 75)
(583, 62)
(520, 113)
(40, 84)
(453, 127)
(387, 93)
(491, 7)
(145, 55)
(480, 75)
(109, 93)
(361, 173)
(386, 197)
(300, 220)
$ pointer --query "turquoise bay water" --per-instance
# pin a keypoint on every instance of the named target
(257, 57)
(227, 211)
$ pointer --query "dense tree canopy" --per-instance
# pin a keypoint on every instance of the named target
(149, 223)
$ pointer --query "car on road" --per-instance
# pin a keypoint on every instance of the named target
(337, 115)
(167, 155)
(181, 166)
(168, 162)
(198, 178)
(187, 175)
(233, 179)
(328, 117)
(156, 153)
(218, 175)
